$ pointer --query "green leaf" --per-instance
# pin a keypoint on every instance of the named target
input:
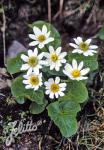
(101, 33)
(14, 64)
(76, 91)
(54, 33)
(36, 108)
(20, 100)
(90, 61)
(18, 90)
(64, 116)
(53, 72)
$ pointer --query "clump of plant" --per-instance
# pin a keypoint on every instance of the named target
(53, 79)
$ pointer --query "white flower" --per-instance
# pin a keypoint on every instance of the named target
(83, 47)
(54, 88)
(40, 37)
(33, 81)
(75, 71)
(55, 58)
(33, 62)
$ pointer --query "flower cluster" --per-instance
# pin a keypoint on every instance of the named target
(54, 59)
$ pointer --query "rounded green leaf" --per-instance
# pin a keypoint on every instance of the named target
(76, 91)
(54, 33)
(36, 108)
(90, 61)
(14, 64)
(101, 33)
(64, 116)
(18, 90)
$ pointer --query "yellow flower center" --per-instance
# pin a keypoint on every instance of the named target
(84, 46)
(41, 38)
(76, 73)
(34, 80)
(33, 61)
(55, 88)
(54, 57)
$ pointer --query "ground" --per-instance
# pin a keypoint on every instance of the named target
(71, 18)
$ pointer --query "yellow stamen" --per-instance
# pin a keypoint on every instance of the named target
(34, 80)
(76, 73)
(54, 57)
(55, 87)
(33, 61)
(41, 38)
(84, 46)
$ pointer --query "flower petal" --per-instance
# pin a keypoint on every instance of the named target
(58, 50)
(25, 67)
(48, 40)
(57, 80)
(37, 31)
(24, 57)
(93, 47)
(80, 66)
(73, 45)
(41, 45)
(85, 71)
(88, 41)
(32, 36)
(74, 64)
(79, 39)
(44, 29)
(51, 95)
(34, 43)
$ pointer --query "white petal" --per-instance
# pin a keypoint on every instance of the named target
(88, 41)
(61, 93)
(32, 36)
(52, 66)
(93, 51)
(29, 71)
(57, 80)
(37, 31)
(76, 41)
(93, 47)
(81, 78)
(34, 43)
(62, 89)
(47, 34)
(51, 95)
(85, 53)
(47, 92)
(85, 71)
(30, 52)
(63, 60)
(51, 49)
(40, 56)
(48, 40)
(79, 39)
(57, 68)
(56, 95)
(24, 67)
(47, 54)
(58, 50)
(44, 29)
(28, 86)
(25, 82)
(51, 80)
(41, 45)
(36, 70)
(62, 55)
(62, 85)
(36, 51)
(26, 76)
(80, 66)
(77, 51)
(73, 45)
(68, 68)
(74, 64)
(24, 57)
